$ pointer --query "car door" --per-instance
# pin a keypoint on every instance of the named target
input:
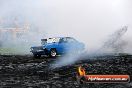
(62, 45)
(71, 44)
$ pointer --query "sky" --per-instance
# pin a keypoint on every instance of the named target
(89, 21)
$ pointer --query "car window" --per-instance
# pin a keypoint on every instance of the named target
(43, 42)
(71, 40)
(63, 40)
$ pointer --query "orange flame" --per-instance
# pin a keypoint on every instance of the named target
(81, 71)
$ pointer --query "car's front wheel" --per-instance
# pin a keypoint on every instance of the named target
(53, 52)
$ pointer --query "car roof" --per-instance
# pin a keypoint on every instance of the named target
(56, 37)
(61, 37)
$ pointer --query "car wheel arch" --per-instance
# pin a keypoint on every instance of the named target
(53, 49)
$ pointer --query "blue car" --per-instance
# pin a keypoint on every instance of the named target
(57, 46)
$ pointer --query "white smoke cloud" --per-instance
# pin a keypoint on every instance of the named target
(115, 44)
(89, 21)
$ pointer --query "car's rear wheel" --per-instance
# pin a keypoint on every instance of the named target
(53, 52)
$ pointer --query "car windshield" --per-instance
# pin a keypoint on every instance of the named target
(69, 39)
(43, 41)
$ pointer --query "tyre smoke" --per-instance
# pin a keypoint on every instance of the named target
(115, 43)
(113, 46)
(88, 21)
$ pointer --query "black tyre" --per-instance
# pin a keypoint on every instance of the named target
(53, 52)
(36, 56)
